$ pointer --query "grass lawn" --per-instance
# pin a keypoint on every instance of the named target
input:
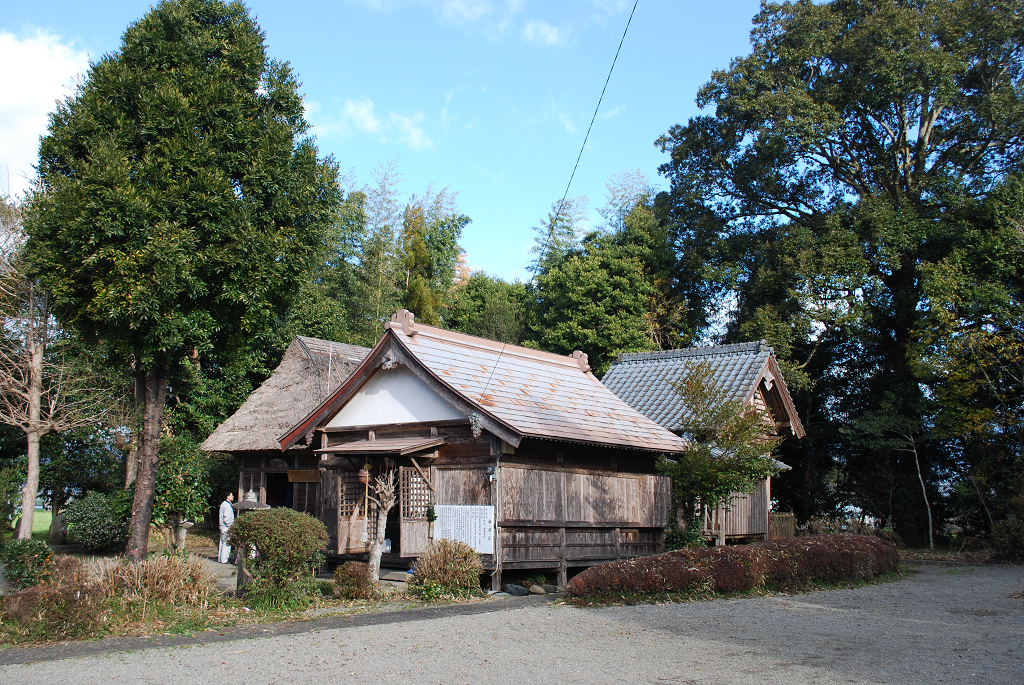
(41, 524)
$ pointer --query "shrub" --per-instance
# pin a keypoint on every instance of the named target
(288, 546)
(352, 581)
(1008, 541)
(71, 605)
(99, 522)
(784, 563)
(27, 563)
(173, 581)
(450, 564)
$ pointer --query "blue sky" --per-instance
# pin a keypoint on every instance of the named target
(490, 98)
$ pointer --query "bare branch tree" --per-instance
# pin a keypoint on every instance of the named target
(41, 390)
(384, 489)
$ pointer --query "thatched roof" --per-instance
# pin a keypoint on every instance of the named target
(310, 371)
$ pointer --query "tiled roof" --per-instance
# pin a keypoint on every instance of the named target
(538, 394)
(646, 380)
(531, 393)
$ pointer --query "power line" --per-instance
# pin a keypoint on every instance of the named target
(593, 118)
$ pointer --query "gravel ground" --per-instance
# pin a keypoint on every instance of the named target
(946, 623)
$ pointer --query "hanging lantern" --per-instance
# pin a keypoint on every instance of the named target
(364, 476)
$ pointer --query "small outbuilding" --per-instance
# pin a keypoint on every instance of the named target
(522, 454)
(750, 374)
(310, 370)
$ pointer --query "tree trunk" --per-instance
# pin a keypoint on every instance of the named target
(131, 467)
(924, 491)
(35, 339)
(377, 545)
(145, 483)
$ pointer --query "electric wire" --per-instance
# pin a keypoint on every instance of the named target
(561, 204)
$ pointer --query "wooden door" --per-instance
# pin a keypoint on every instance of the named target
(351, 521)
(413, 498)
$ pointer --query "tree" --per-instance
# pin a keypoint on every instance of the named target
(490, 308)
(182, 488)
(42, 390)
(384, 499)
(728, 448)
(184, 204)
(831, 174)
(77, 461)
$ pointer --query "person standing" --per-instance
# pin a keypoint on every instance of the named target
(227, 517)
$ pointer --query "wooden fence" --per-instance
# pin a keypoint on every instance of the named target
(781, 526)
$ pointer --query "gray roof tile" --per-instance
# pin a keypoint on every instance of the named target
(645, 380)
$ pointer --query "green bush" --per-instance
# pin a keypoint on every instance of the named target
(100, 522)
(448, 564)
(1008, 541)
(352, 581)
(27, 563)
(289, 549)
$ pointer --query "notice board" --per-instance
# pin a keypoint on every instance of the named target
(473, 525)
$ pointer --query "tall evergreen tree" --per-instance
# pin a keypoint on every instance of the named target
(184, 202)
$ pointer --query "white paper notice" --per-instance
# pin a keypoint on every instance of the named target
(470, 524)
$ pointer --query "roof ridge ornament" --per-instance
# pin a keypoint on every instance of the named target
(407, 320)
(582, 359)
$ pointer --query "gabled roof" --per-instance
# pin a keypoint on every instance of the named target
(515, 392)
(310, 370)
(646, 380)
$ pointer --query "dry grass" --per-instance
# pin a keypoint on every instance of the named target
(174, 581)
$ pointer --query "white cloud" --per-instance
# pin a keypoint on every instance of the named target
(38, 70)
(613, 112)
(360, 116)
(539, 31)
(463, 11)
(492, 18)
(554, 110)
(409, 131)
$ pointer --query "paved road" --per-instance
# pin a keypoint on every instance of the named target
(944, 624)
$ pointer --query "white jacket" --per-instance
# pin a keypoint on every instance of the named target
(227, 515)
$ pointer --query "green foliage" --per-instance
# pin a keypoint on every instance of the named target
(100, 522)
(27, 563)
(77, 461)
(183, 205)
(841, 160)
(289, 549)
(490, 308)
(352, 581)
(446, 567)
(609, 291)
(11, 480)
(182, 486)
(728, 447)
(1008, 541)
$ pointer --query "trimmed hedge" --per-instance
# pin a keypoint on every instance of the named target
(787, 563)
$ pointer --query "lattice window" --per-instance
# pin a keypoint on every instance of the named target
(415, 495)
(352, 492)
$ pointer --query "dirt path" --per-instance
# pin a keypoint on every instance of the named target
(943, 624)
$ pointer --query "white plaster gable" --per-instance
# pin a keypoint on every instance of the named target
(394, 396)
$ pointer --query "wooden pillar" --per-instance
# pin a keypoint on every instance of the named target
(563, 574)
(618, 545)
(496, 502)
(720, 515)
